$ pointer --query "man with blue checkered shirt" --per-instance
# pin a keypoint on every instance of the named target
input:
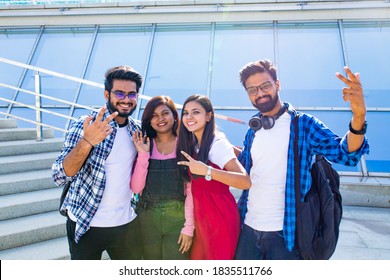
(97, 158)
(268, 208)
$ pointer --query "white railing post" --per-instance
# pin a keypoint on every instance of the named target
(363, 165)
(38, 113)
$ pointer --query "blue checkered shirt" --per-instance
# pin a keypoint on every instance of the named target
(313, 138)
(88, 184)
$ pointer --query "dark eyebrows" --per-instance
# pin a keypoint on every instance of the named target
(131, 92)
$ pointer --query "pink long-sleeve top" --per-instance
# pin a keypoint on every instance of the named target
(138, 182)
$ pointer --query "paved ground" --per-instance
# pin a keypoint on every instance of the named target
(364, 234)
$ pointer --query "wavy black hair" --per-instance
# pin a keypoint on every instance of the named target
(259, 66)
(122, 73)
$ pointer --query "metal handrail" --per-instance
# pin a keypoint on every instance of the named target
(52, 73)
(34, 122)
(47, 96)
(37, 108)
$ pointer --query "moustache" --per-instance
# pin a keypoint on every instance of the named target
(263, 97)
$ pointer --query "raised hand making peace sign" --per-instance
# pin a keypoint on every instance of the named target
(94, 133)
(354, 92)
(97, 131)
(196, 167)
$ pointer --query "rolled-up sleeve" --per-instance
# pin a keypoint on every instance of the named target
(321, 140)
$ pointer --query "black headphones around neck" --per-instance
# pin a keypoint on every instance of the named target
(266, 122)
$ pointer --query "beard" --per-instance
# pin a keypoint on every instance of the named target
(113, 109)
(267, 106)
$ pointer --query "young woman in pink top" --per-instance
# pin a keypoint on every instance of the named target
(213, 167)
(165, 203)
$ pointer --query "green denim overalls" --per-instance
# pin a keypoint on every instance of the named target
(161, 211)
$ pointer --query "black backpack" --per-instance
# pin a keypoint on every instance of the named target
(318, 217)
(65, 190)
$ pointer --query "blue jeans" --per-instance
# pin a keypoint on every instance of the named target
(263, 245)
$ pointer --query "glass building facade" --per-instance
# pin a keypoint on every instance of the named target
(181, 58)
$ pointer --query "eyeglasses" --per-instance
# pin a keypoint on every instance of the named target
(265, 87)
(121, 95)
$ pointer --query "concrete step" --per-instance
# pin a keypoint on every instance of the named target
(7, 123)
(30, 203)
(31, 229)
(55, 249)
(22, 163)
(11, 134)
(363, 195)
(21, 147)
(26, 181)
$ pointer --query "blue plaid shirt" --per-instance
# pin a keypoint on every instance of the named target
(87, 186)
(313, 138)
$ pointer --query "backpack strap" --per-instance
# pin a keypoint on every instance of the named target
(296, 163)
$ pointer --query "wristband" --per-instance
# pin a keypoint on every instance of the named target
(88, 142)
(358, 132)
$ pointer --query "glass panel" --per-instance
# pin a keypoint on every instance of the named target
(235, 46)
(113, 47)
(16, 44)
(337, 121)
(379, 158)
(62, 50)
(368, 53)
(80, 112)
(309, 56)
(179, 62)
(235, 132)
(367, 47)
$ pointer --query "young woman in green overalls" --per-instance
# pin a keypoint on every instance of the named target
(165, 207)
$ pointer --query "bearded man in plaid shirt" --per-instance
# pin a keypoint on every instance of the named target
(97, 159)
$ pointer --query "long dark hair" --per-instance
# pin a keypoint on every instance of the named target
(149, 111)
(187, 140)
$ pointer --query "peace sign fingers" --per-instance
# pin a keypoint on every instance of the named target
(352, 80)
(187, 156)
(353, 92)
(96, 131)
(196, 167)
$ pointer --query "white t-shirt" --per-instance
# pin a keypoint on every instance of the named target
(115, 208)
(221, 151)
(268, 175)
